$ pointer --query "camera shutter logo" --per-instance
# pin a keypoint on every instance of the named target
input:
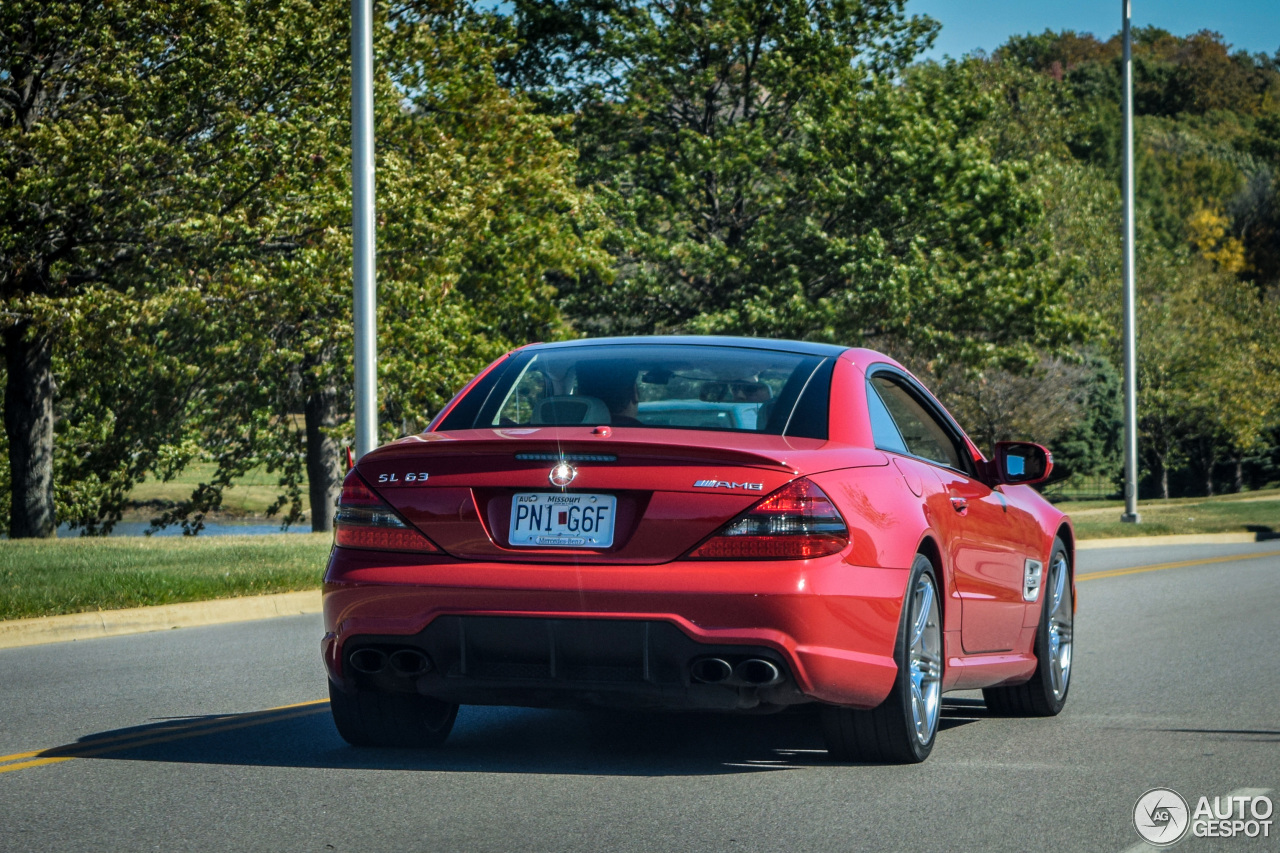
(1161, 817)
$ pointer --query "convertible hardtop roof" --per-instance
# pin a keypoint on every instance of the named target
(800, 347)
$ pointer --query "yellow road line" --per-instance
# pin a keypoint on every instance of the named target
(39, 762)
(1115, 573)
(120, 743)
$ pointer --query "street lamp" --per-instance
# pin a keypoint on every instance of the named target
(1130, 324)
(365, 309)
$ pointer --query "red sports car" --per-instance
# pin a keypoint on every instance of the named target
(696, 523)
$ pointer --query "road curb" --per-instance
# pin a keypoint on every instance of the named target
(138, 620)
(1180, 539)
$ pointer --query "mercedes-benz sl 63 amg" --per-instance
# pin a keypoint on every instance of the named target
(697, 523)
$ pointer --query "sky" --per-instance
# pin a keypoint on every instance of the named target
(1252, 25)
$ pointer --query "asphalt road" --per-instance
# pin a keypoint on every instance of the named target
(181, 741)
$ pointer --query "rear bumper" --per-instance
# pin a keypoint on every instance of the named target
(538, 634)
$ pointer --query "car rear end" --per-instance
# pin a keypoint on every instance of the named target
(515, 556)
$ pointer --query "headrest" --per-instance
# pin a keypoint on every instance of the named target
(571, 410)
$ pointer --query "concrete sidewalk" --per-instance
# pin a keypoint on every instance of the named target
(1179, 539)
(138, 620)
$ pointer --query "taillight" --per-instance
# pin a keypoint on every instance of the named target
(364, 520)
(796, 522)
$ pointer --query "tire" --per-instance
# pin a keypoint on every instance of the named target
(902, 729)
(369, 718)
(1045, 694)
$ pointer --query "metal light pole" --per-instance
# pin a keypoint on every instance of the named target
(1130, 323)
(362, 226)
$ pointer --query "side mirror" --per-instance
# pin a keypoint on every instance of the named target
(1021, 463)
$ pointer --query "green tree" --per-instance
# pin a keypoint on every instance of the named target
(775, 169)
(478, 211)
(1068, 400)
(142, 146)
(175, 253)
(1207, 380)
(1205, 211)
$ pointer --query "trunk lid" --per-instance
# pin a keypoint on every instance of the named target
(671, 488)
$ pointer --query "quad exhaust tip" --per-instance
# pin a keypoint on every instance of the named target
(368, 661)
(409, 662)
(711, 670)
(758, 672)
(752, 672)
(402, 662)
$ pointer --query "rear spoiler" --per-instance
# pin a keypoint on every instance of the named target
(553, 449)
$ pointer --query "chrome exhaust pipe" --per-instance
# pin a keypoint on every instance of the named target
(368, 661)
(409, 662)
(710, 670)
(758, 672)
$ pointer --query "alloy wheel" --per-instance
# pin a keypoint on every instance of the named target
(925, 659)
(1060, 621)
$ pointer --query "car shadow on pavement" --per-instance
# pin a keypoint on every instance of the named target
(961, 712)
(495, 740)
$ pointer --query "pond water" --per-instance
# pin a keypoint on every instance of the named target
(211, 528)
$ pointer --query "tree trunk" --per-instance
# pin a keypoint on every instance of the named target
(324, 473)
(1164, 475)
(1210, 459)
(1238, 485)
(28, 422)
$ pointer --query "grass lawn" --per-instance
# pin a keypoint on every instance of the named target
(1248, 512)
(50, 577)
(248, 496)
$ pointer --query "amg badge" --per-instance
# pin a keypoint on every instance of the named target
(725, 484)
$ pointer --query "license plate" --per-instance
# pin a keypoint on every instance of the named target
(562, 520)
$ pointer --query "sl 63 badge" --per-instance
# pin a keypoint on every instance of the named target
(410, 477)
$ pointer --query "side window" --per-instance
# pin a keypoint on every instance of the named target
(922, 432)
(883, 428)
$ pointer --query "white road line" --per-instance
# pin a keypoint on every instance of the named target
(1239, 792)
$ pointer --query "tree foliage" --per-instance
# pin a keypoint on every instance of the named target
(177, 196)
(144, 147)
(477, 208)
(1208, 391)
(774, 168)
(175, 223)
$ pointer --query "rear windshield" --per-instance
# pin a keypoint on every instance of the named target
(665, 386)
